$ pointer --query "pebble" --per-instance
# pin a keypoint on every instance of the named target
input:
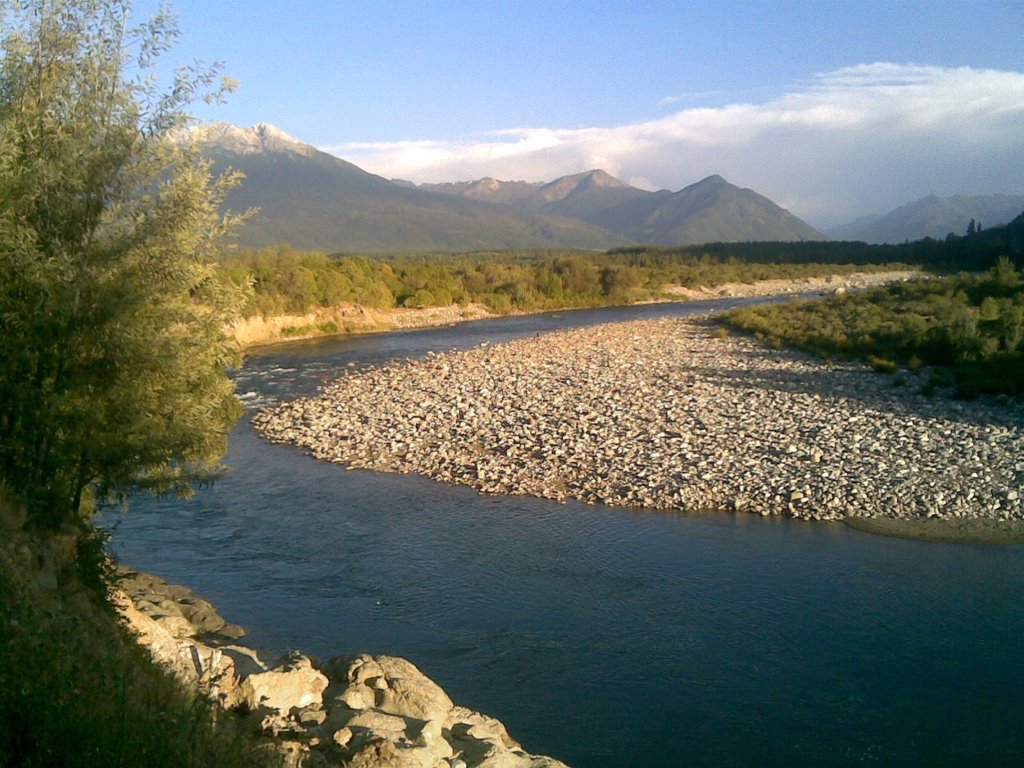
(662, 414)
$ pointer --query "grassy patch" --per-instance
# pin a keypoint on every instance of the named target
(291, 331)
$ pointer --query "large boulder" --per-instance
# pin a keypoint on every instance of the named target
(392, 685)
(370, 737)
(175, 608)
(294, 684)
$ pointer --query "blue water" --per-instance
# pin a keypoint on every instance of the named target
(604, 637)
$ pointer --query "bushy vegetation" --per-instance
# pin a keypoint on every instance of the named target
(280, 280)
(77, 691)
(969, 327)
(112, 373)
(112, 350)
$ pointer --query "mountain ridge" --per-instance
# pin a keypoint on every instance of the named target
(712, 209)
(314, 200)
(933, 217)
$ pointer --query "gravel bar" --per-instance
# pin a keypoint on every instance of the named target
(664, 414)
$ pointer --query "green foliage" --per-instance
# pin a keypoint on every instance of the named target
(970, 325)
(77, 692)
(112, 356)
(94, 566)
(280, 280)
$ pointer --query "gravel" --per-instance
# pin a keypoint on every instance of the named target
(665, 414)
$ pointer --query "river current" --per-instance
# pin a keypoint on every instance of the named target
(603, 637)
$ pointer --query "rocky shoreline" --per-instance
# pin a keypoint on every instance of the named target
(357, 710)
(671, 414)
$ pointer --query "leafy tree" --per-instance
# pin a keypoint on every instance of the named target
(112, 358)
(619, 281)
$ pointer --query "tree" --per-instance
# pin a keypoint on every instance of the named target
(113, 363)
(619, 281)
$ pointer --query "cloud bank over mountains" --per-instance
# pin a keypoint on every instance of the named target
(841, 144)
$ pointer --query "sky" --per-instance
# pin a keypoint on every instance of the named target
(832, 109)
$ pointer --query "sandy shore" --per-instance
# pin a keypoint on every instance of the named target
(665, 414)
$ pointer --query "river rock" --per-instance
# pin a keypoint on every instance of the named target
(380, 711)
(292, 685)
(174, 607)
(393, 685)
(668, 414)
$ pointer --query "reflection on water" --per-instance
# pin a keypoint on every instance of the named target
(602, 636)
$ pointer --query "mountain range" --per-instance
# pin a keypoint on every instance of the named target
(933, 217)
(314, 200)
(712, 210)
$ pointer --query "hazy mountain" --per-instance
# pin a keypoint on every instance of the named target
(933, 217)
(712, 210)
(488, 190)
(314, 200)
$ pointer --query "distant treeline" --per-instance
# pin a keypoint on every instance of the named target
(280, 280)
(969, 327)
(976, 250)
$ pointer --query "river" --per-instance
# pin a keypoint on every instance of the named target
(603, 637)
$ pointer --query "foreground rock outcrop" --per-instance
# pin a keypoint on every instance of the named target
(669, 414)
(359, 710)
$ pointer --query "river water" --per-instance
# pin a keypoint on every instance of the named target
(604, 637)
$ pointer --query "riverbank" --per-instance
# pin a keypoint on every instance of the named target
(347, 319)
(76, 690)
(84, 685)
(778, 287)
(668, 414)
(352, 710)
(352, 319)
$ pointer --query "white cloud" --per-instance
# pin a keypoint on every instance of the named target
(690, 96)
(859, 139)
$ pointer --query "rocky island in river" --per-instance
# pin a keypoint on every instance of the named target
(671, 414)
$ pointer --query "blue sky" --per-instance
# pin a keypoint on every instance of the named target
(802, 101)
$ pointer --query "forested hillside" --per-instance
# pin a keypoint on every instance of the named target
(315, 201)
